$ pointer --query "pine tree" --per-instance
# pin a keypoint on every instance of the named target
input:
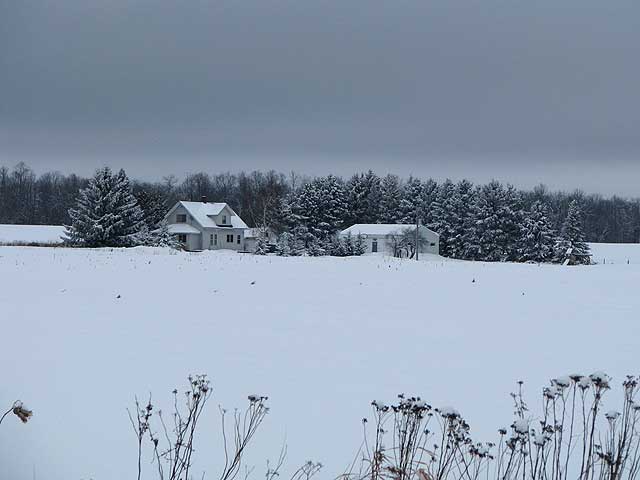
(160, 237)
(413, 201)
(572, 240)
(283, 246)
(390, 198)
(359, 246)
(356, 193)
(442, 221)
(153, 207)
(106, 213)
(261, 246)
(537, 238)
(321, 207)
(430, 190)
(461, 220)
(490, 214)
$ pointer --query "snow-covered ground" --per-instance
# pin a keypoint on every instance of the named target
(83, 331)
(31, 234)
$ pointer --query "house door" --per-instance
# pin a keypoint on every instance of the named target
(374, 246)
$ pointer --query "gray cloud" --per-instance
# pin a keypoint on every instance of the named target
(528, 92)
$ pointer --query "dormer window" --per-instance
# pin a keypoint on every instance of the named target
(224, 219)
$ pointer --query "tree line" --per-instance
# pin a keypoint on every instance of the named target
(472, 219)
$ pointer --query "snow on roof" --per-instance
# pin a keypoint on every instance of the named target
(176, 228)
(31, 233)
(377, 229)
(203, 211)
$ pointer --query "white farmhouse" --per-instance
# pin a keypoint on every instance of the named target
(383, 238)
(206, 226)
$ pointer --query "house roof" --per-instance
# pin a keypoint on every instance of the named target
(176, 228)
(203, 212)
(378, 229)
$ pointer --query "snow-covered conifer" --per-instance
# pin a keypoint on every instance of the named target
(461, 220)
(106, 213)
(572, 239)
(261, 246)
(412, 202)
(390, 198)
(537, 238)
(442, 215)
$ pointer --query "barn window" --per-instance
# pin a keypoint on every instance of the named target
(181, 218)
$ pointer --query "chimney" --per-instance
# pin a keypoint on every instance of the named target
(204, 199)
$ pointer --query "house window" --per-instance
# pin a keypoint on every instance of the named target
(182, 238)
(224, 219)
(215, 239)
(211, 239)
(230, 238)
(238, 239)
(374, 245)
(181, 218)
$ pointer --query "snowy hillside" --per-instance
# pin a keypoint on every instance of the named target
(31, 234)
(83, 331)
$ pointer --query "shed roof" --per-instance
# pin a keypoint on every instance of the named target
(379, 229)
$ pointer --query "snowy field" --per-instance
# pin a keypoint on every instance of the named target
(31, 234)
(607, 253)
(84, 331)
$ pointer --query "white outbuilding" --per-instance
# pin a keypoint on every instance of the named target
(381, 238)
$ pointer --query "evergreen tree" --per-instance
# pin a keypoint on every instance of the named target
(321, 207)
(160, 237)
(261, 246)
(153, 207)
(106, 213)
(356, 193)
(284, 244)
(572, 236)
(442, 220)
(430, 190)
(390, 198)
(412, 202)
(461, 220)
(537, 238)
(490, 213)
(359, 246)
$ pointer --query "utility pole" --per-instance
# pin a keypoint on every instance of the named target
(417, 232)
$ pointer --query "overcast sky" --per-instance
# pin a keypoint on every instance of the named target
(524, 91)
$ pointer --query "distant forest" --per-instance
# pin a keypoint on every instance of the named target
(26, 198)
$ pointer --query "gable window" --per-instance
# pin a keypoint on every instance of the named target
(181, 218)
(230, 238)
(182, 238)
(224, 219)
(238, 239)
